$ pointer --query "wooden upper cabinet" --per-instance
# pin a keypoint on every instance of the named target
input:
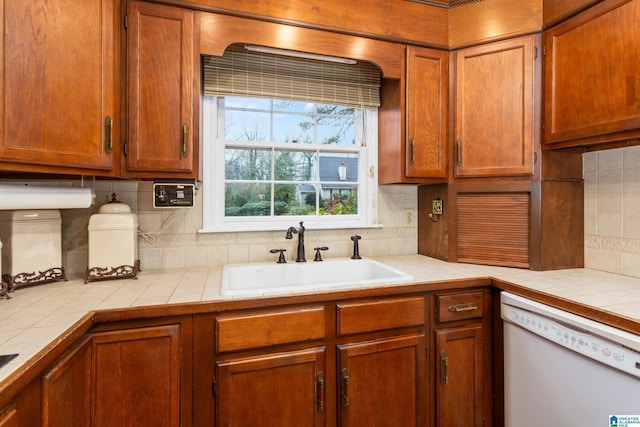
(413, 115)
(592, 76)
(60, 85)
(427, 104)
(161, 58)
(495, 108)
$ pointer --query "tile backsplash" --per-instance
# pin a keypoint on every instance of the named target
(170, 238)
(612, 210)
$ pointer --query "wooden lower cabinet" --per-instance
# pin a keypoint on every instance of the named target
(66, 388)
(137, 377)
(272, 390)
(381, 382)
(462, 359)
(459, 381)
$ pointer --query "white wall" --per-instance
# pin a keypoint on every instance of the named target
(612, 210)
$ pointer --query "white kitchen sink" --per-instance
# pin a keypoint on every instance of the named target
(293, 277)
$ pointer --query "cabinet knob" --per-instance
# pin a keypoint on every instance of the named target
(459, 152)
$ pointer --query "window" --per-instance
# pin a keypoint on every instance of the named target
(269, 162)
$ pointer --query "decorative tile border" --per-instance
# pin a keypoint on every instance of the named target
(616, 244)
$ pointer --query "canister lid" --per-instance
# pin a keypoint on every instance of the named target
(114, 206)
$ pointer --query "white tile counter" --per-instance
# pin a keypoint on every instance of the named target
(37, 315)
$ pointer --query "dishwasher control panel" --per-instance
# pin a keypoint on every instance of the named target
(578, 334)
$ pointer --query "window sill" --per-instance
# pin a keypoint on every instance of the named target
(239, 228)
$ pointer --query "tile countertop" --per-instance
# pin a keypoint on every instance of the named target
(37, 315)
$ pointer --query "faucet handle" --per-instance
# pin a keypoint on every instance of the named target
(281, 258)
(318, 249)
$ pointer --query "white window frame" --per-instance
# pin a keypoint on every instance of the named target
(213, 188)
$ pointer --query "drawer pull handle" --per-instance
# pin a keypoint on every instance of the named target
(444, 362)
(185, 140)
(412, 149)
(108, 134)
(319, 391)
(470, 306)
(345, 382)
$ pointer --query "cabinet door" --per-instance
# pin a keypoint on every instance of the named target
(381, 382)
(427, 105)
(460, 378)
(160, 92)
(59, 83)
(272, 390)
(66, 389)
(495, 111)
(592, 76)
(137, 377)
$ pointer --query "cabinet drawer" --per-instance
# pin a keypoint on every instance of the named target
(467, 305)
(245, 331)
(369, 316)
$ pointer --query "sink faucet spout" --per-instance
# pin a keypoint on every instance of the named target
(300, 232)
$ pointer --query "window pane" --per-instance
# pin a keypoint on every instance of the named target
(339, 201)
(247, 126)
(247, 199)
(337, 130)
(294, 106)
(295, 165)
(294, 199)
(293, 128)
(247, 164)
(339, 167)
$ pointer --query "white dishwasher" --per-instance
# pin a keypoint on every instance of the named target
(561, 369)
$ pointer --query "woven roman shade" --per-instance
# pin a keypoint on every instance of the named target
(242, 73)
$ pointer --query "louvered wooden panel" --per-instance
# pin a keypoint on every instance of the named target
(493, 228)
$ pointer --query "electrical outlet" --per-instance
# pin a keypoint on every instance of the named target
(408, 217)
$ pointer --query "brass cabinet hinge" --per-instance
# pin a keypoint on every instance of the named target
(126, 22)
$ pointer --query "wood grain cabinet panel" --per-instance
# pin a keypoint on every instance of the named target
(378, 315)
(460, 380)
(66, 388)
(261, 329)
(9, 416)
(137, 377)
(413, 120)
(592, 76)
(495, 108)
(60, 85)
(161, 55)
(381, 382)
(285, 389)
